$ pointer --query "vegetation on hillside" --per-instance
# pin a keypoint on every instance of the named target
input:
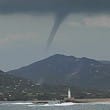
(13, 88)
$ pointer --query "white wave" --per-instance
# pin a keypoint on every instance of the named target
(32, 105)
(16, 103)
(57, 104)
(20, 103)
(65, 104)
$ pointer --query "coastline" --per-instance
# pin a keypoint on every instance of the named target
(89, 100)
(80, 100)
(92, 100)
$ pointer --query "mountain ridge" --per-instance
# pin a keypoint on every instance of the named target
(69, 70)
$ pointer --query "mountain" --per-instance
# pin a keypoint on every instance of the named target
(14, 88)
(67, 70)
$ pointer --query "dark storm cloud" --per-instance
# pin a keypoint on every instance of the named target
(61, 8)
(8, 6)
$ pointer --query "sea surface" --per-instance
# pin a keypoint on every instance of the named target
(30, 106)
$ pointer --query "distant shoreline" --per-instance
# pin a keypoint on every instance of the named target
(92, 100)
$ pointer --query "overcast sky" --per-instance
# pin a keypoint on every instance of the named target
(25, 26)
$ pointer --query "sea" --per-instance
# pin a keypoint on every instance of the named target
(30, 106)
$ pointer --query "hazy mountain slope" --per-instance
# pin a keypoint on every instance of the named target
(69, 70)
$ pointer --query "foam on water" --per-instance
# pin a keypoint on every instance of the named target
(16, 103)
(19, 103)
(57, 104)
(70, 104)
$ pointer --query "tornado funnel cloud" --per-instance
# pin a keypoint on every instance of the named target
(59, 18)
